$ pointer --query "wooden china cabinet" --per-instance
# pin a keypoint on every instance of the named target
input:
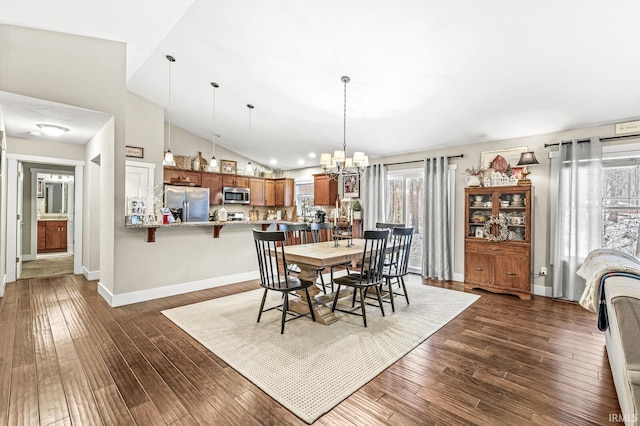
(497, 243)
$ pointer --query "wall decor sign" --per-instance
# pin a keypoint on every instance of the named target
(628, 128)
(40, 188)
(134, 151)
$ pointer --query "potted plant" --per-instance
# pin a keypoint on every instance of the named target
(357, 210)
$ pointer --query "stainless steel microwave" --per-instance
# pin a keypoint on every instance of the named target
(231, 195)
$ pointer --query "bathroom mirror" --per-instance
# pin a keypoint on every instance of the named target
(55, 197)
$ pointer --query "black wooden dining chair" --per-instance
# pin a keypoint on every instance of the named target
(298, 233)
(321, 232)
(369, 276)
(274, 274)
(397, 263)
(294, 234)
(389, 226)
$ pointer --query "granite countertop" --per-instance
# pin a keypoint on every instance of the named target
(210, 223)
(53, 217)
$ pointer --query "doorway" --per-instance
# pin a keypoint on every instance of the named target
(53, 203)
(405, 204)
(64, 217)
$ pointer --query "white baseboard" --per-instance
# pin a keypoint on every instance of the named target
(457, 277)
(3, 284)
(541, 290)
(90, 275)
(172, 290)
(27, 257)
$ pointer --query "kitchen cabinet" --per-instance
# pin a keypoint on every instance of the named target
(269, 192)
(52, 236)
(284, 192)
(213, 181)
(256, 186)
(174, 174)
(41, 235)
(502, 266)
(325, 190)
(235, 181)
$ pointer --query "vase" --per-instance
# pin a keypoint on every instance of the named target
(472, 181)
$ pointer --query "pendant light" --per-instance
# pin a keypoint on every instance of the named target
(168, 156)
(249, 169)
(213, 164)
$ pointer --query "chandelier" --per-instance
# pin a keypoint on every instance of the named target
(338, 163)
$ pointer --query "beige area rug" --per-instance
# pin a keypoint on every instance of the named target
(47, 267)
(313, 367)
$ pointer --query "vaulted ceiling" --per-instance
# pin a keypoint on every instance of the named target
(424, 74)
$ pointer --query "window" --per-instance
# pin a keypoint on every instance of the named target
(621, 205)
(304, 200)
(404, 205)
(620, 198)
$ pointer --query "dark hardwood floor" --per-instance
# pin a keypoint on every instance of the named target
(66, 357)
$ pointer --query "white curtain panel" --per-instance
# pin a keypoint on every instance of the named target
(579, 218)
(375, 178)
(436, 250)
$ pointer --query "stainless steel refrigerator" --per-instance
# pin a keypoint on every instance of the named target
(193, 201)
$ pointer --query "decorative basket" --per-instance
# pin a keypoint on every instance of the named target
(182, 162)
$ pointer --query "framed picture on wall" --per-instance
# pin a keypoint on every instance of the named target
(40, 188)
(351, 185)
(511, 156)
(228, 166)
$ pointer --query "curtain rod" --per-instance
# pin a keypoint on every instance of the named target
(610, 138)
(420, 161)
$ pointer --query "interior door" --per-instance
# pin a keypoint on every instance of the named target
(71, 191)
(19, 221)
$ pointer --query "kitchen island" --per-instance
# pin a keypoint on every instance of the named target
(217, 226)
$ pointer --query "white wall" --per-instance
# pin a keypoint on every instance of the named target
(186, 143)
(3, 205)
(145, 121)
(91, 247)
(79, 71)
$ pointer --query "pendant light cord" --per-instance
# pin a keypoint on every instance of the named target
(213, 138)
(345, 80)
(171, 60)
(250, 130)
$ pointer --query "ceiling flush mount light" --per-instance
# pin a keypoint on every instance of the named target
(213, 164)
(526, 159)
(168, 156)
(338, 163)
(52, 130)
(249, 169)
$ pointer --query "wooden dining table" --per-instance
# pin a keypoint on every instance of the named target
(309, 257)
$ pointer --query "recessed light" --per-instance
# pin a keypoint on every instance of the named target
(301, 162)
(312, 155)
(273, 162)
(53, 130)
